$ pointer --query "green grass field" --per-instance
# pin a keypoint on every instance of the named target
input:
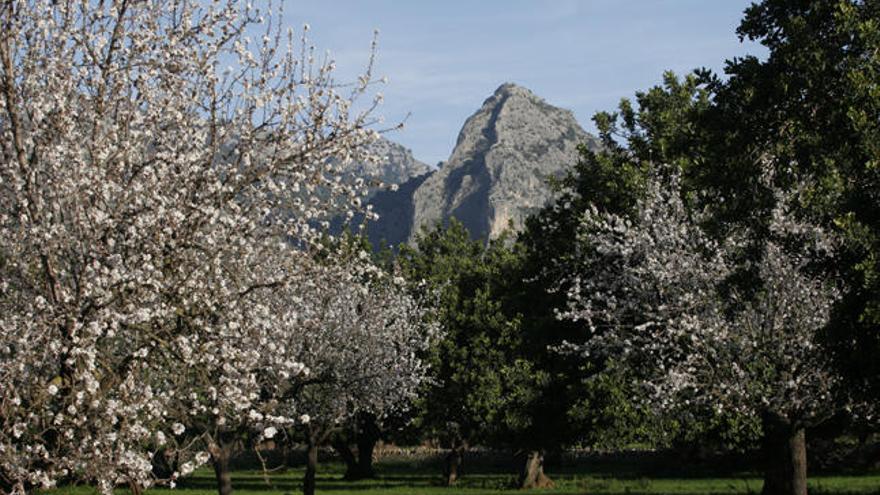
(423, 478)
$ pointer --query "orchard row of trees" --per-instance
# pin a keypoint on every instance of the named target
(167, 293)
(709, 275)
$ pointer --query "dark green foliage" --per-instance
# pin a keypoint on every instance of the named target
(661, 128)
(813, 107)
(499, 382)
(469, 363)
(501, 379)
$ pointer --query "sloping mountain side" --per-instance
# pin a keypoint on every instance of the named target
(396, 213)
(497, 174)
(396, 165)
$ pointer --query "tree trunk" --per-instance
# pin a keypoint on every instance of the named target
(351, 464)
(367, 437)
(220, 459)
(785, 460)
(453, 464)
(311, 466)
(365, 458)
(532, 475)
(164, 464)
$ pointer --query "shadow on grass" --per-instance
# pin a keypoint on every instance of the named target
(408, 480)
(633, 474)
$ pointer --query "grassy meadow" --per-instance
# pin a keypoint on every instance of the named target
(601, 476)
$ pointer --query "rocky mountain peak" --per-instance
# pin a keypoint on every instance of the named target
(509, 89)
(497, 174)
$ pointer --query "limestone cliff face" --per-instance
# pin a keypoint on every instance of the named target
(497, 173)
(395, 209)
(496, 176)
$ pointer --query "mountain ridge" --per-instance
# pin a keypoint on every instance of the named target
(496, 174)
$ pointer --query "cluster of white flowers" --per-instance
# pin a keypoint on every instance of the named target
(156, 212)
(657, 295)
(363, 345)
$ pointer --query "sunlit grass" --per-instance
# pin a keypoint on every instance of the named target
(423, 478)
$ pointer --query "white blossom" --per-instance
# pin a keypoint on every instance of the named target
(656, 293)
(355, 336)
(150, 206)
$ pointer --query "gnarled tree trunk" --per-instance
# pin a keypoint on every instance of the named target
(785, 450)
(359, 463)
(453, 464)
(351, 464)
(365, 459)
(367, 436)
(164, 464)
(220, 455)
(532, 475)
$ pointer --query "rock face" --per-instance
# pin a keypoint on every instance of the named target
(496, 176)
(395, 209)
(396, 165)
(497, 173)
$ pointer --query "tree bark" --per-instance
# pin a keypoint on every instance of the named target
(453, 464)
(367, 436)
(220, 459)
(311, 466)
(785, 460)
(164, 464)
(532, 475)
(351, 464)
(365, 458)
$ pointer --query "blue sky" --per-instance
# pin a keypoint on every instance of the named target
(443, 58)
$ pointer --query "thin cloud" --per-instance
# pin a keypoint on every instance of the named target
(444, 59)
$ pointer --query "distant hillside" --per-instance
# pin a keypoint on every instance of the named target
(396, 165)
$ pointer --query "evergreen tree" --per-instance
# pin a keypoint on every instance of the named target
(462, 405)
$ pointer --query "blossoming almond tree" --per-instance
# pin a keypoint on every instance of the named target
(652, 291)
(362, 337)
(159, 172)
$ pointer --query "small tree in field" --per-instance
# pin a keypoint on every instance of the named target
(362, 337)
(152, 201)
(661, 298)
